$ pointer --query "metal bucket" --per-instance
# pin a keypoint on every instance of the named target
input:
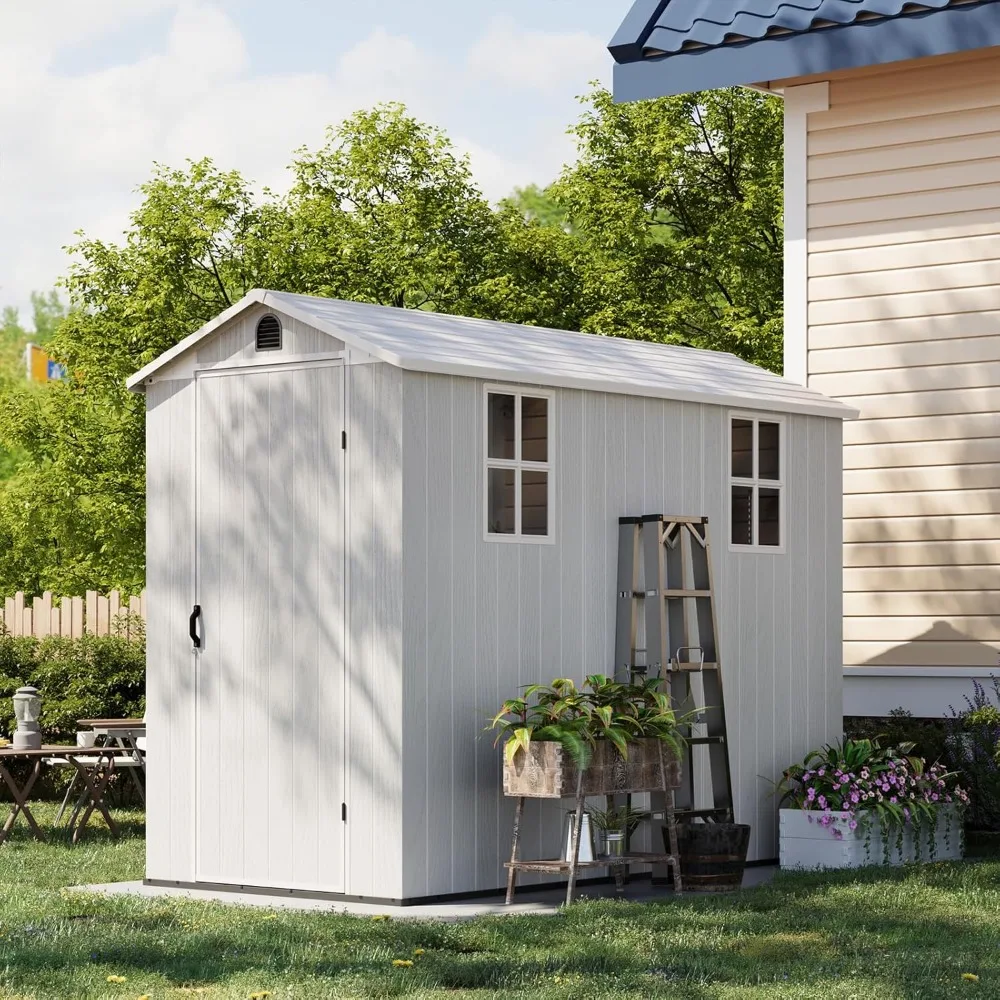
(712, 855)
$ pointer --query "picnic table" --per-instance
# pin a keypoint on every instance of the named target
(95, 775)
(123, 733)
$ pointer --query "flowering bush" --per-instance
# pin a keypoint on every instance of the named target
(872, 784)
(973, 747)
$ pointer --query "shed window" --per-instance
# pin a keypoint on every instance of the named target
(518, 478)
(756, 482)
(268, 333)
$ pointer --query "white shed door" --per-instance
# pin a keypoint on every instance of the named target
(270, 584)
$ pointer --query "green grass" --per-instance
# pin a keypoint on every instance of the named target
(873, 935)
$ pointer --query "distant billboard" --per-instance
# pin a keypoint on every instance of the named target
(40, 367)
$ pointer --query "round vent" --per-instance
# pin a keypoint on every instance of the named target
(269, 333)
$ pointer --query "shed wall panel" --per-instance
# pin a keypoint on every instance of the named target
(170, 667)
(236, 341)
(510, 614)
(374, 631)
(904, 310)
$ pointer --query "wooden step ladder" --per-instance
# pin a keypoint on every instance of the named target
(665, 585)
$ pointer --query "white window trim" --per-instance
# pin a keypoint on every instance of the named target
(516, 463)
(756, 483)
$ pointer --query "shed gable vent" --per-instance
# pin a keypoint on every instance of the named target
(269, 333)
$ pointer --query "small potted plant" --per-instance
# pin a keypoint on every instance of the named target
(601, 739)
(616, 826)
(856, 803)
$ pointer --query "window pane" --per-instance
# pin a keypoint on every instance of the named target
(768, 459)
(743, 449)
(769, 528)
(742, 515)
(501, 426)
(534, 503)
(534, 429)
(500, 490)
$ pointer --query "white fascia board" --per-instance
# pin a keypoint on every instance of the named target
(819, 407)
(800, 102)
(137, 381)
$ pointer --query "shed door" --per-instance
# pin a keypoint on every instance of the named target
(270, 583)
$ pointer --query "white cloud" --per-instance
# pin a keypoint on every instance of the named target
(73, 148)
(538, 60)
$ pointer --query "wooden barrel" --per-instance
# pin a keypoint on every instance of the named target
(712, 855)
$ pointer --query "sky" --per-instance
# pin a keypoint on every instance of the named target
(93, 92)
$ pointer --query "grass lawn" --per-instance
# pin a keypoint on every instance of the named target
(902, 935)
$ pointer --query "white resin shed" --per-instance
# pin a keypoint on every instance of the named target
(389, 521)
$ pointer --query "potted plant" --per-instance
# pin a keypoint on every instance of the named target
(616, 824)
(601, 739)
(857, 803)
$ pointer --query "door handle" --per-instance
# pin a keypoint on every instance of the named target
(193, 626)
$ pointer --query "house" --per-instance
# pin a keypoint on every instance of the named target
(892, 296)
(369, 526)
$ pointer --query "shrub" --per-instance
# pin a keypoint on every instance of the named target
(973, 741)
(91, 677)
(928, 736)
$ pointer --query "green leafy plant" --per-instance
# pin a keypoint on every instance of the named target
(622, 819)
(576, 718)
(872, 784)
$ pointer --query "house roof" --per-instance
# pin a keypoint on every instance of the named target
(456, 345)
(680, 46)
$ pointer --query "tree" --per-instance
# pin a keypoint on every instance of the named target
(680, 202)
(384, 212)
(667, 228)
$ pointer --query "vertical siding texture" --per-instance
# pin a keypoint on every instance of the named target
(904, 323)
(376, 839)
(483, 618)
(236, 341)
(170, 666)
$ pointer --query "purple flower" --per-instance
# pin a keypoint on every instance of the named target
(822, 801)
(853, 824)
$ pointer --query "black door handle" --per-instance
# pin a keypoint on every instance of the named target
(193, 626)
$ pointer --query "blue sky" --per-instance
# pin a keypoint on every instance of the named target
(91, 93)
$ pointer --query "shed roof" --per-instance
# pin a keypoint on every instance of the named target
(680, 46)
(416, 340)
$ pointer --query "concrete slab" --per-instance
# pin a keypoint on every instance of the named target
(532, 900)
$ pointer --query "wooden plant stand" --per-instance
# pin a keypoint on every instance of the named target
(652, 771)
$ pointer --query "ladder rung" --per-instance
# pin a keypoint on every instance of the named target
(698, 741)
(692, 668)
(701, 813)
(678, 594)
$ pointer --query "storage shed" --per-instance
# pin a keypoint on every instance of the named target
(368, 526)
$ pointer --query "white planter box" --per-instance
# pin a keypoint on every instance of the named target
(806, 843)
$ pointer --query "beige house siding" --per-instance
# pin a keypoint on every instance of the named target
(904, 323)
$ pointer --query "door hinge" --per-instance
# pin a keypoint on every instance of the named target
(343, 811)
(343, 440)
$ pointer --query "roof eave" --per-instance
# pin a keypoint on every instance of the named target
(137, 382)
(849, 46)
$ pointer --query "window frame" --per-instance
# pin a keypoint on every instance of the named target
(518, 464)
(756, 483)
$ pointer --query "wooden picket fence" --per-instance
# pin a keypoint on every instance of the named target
(92, 614)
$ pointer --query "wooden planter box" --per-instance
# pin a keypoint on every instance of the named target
(804, 844)
(546, 771)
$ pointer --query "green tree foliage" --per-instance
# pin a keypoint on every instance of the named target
(667, 228)
(680, 202)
